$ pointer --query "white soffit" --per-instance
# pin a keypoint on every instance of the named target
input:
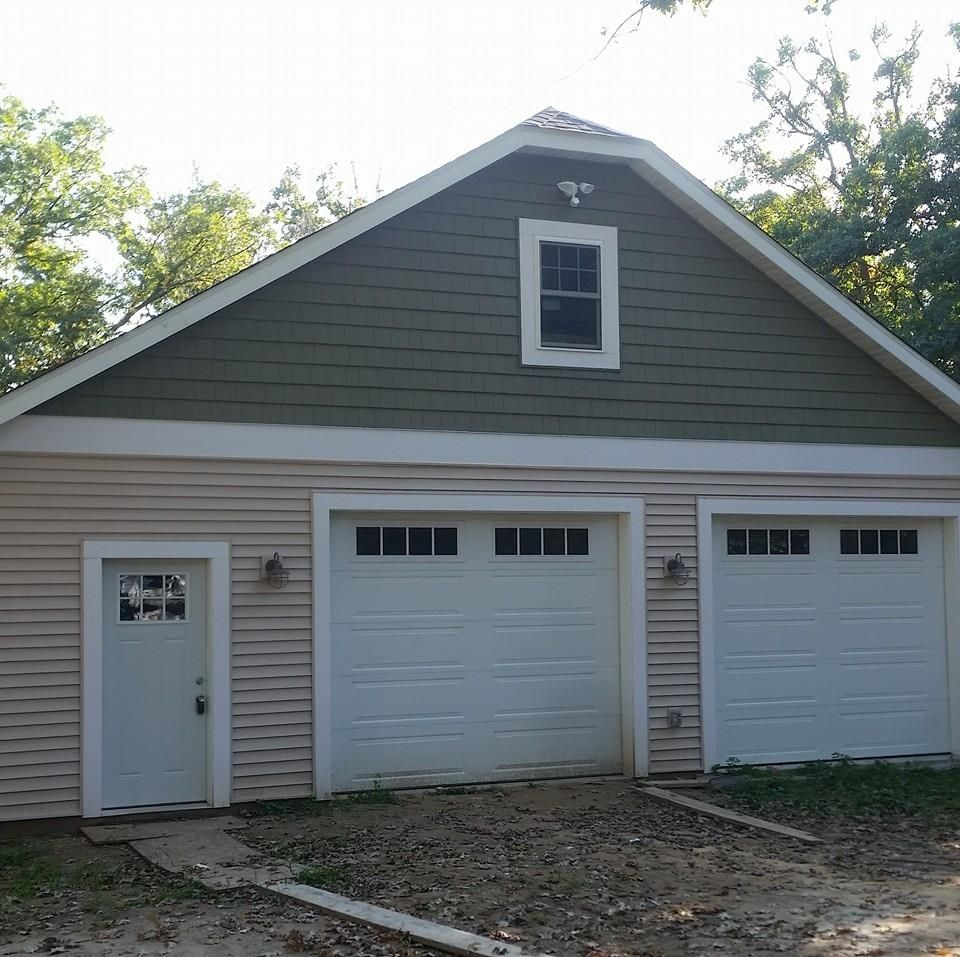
(649, 162)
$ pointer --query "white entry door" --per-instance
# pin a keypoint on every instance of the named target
(154, 683)
(830, 638)
(474, 648)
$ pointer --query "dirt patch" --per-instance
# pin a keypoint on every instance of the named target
(61, 895)
(600, 870)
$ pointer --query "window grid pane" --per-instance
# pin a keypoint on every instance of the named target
(550, 542)
(757, 541)
(152, 598)
(772, 541)
(417, 541)
(879, 541)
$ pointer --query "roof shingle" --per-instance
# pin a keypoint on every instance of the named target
(550, 118)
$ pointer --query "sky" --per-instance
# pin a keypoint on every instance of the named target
(240, 89)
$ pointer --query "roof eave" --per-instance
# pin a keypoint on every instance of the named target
(647, 160)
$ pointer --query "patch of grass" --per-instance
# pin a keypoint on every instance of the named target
(334, 878)
(846, 789)
(33, 871)
(294, 807)
(28, 869)
(308, 807)
(376, 795)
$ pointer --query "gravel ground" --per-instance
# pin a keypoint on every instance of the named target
(108, 902)
(589, 870)
(601, 870)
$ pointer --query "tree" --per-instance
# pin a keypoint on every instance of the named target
(55, 198)
(871, 203)
(181, 244)
(63, 215)
(633, 20)
(297, 215)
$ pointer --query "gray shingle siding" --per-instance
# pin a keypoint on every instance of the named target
(415, 325)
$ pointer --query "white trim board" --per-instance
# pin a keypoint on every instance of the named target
(533, 232)
(708, 509)
(642, 156)
(217, 555)
(50, 434)
(633, 639)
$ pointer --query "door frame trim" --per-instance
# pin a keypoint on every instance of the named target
(629, 511)
(217, 557)
(709, 509)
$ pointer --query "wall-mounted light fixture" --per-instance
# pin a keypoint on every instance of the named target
(570, 189)
(272, 570)
(674, 567)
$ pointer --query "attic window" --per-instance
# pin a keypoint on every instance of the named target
(569, 302)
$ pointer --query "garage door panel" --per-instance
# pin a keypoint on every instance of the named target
(399, 757)
(510, 667)
(542, 695)
(833, 652)
(782, 733)
(557, 593)
(876, 680)
(399, 651)
(774, 683)
(564, 748)
(551, 643)
(398, 700)
(899, 728)
(362, 596)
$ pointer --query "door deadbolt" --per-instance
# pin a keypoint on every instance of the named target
(201, 704)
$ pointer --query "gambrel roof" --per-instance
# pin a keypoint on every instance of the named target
(549, 132)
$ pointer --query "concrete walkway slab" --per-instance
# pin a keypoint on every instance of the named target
(205, 851)
(439, 936)
(125, 833)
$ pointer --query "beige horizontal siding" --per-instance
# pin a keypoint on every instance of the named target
(49, 504)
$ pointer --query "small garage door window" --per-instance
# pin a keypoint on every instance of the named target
(768, 541)
(878, 541)
(417, 541)
(533, 540)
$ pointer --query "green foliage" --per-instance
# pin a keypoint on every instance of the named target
(63, 214)
(31, 869)
(844, 789)
(297, 215)
(376, 795)
(55, 198)
(872, 203)
(336, 878)
(181, 244)
(293, 807)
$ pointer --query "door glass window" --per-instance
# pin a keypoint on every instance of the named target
(152, 598)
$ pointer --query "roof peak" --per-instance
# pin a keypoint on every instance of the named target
(550, 118)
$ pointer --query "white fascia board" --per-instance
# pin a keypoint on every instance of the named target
(734, 229)
(70, 435)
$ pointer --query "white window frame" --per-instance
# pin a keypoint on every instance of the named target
(532, 352)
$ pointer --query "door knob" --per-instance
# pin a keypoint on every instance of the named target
(201, 704)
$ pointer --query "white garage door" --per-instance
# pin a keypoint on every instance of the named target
(830, 638)
(474, 649)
